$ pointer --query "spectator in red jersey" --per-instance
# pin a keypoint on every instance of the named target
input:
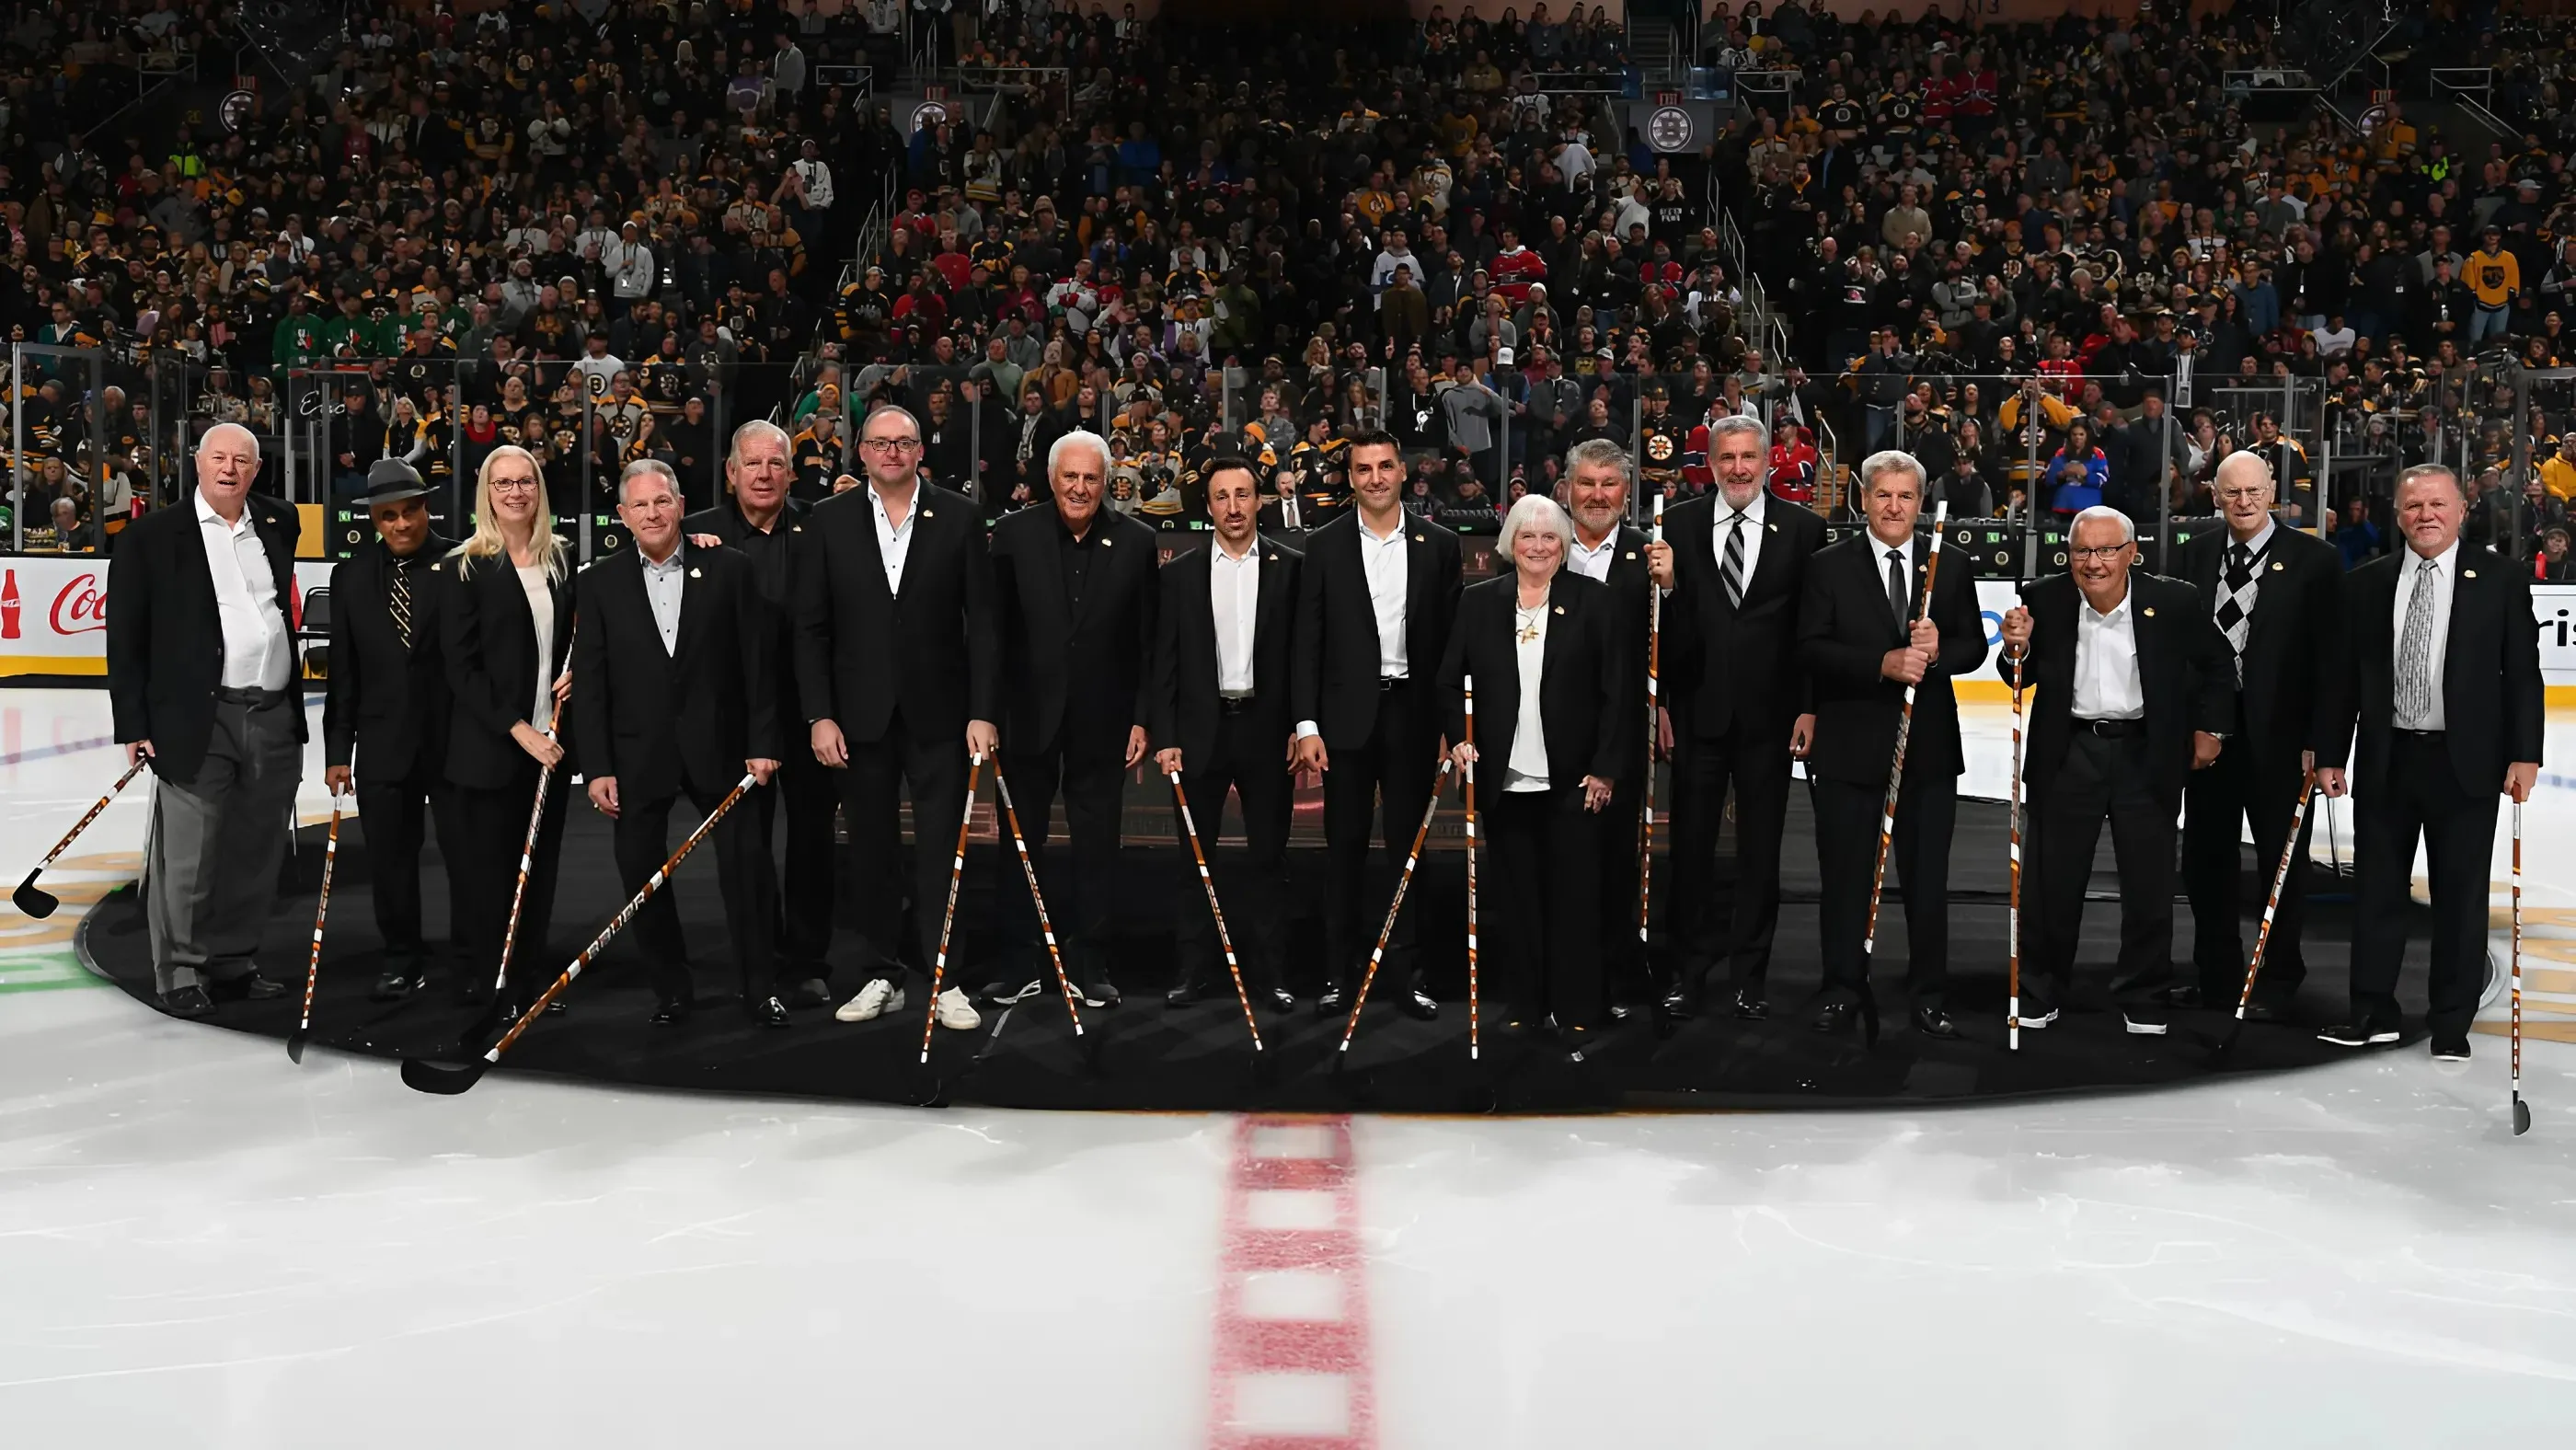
(1793, 464)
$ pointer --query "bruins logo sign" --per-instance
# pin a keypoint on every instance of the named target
(1659, 447)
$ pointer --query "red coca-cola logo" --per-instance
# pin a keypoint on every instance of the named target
(81, 607)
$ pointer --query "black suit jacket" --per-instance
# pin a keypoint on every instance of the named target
(1082, 672)
(1722, 660)
(488, 641)
(2493, 701)
(1333, 681)
(2184, 669)
(1845, 631)
(1184, 694)
(1581, 689)
(165, 640)
(390, 704)
(691, 716)
(1631, 589)
(2294, 695)
(777, 596)
(934, 652)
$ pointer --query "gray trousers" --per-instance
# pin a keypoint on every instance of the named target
(216, 843)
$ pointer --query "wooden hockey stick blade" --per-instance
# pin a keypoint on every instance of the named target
(444, 1079)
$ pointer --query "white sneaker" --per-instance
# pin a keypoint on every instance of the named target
(874, 1000)
(2036, 1021)
(955, 1012)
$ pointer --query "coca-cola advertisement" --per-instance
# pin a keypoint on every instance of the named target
(53, 613)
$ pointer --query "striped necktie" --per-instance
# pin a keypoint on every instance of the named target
(2415, 652)
(1731, 571)
(398, 601)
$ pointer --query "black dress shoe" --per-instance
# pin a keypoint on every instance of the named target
(1417, 1004)
(1933, 1022)
(188, 1002)
(1329, 1004)
(2451, 1049)
(397, 985)
(765, 1011)
(1277, 999)
(248, 987)
(474, 988)
(1181, 994)
(673, 1012)
(1675, 1005)
(810, 993)
(2186, 997)
(2266, 1008)
(1619, 1011)
(1834, 1018)
(1750, 1006)
(1100, 992)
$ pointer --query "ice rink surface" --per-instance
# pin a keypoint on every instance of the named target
(204, 1246)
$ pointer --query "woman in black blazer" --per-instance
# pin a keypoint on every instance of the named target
(506, 627)
(1550, 760)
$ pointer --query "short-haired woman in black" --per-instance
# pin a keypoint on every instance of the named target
(506, 626)
(1550, 702)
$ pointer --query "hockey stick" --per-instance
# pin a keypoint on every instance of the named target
(1467, 783)
(1046, 927)
(1403, 882)
(32, 900)
(321, 912)
(2521, 1109)
(1224, 937)
(1896, 781)
(948, 917)
(2263, 935)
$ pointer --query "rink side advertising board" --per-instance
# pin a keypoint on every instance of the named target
(53, 611)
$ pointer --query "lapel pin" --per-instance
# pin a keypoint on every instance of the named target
(2276, 566)
(2468, 573)
(1105, 543)
(1560, 609)
(1417, 538)
(694, 574)
(925, 513)
(1632, 553)
(796, 528)
(1274, 558)
(2151, 611)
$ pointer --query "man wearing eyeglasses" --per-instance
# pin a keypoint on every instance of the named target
(2136, 690)
(898, 657)
(2278, 596)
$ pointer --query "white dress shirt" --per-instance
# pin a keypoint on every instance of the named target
(2107, 686)
(1754, 529)
(258, 655)
(1527, 769)
(1234, 595)
(2445, 580)
(1590, 561)
(662, 591)
(1878, 548)
(541, 608)
(1383, 559)
(894, 541)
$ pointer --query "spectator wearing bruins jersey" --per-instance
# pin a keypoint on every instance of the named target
(622, 412)
(424, 370)
(1661, 438)
(1899, 117)
(861, 312)
(1156, 468)
(1840, 115)
(1318, 467)
(665, 381)
(2495, 279)
(2033, 423)
(817, 455)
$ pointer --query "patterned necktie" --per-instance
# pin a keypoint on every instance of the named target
(2236, 604)
(398, 600)
(1899, 596)
(2415, 651)
(1731, 572)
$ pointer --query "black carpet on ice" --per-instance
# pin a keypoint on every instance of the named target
(1141, 1056)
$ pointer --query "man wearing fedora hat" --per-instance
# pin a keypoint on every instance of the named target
(384, 721)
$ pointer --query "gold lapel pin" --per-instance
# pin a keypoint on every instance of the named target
(694, 574)
(925, 513)
(1560, 609)
(1274, 558)
(796, 528)
(1417, 538)
(2151, 611)
(2468, 573)
(2277, 566)
(1105, 543)
(1632, 553)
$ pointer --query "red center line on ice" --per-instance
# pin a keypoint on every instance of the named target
(1292, 1367)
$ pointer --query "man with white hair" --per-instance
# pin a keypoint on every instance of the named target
(201, 669)
(1075, 592)
(1599, 475)
(2136, 690)
(2278, 596)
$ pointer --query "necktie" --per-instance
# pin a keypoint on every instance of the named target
(1730, 572)
(1900, 595)
(2415, 651)
(2236, 604)
(398, 600)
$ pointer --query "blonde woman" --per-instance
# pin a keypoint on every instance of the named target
(505, 627)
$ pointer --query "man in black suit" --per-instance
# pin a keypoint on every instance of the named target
(2136, 690)
(1598, 477)
(898, 665)
(2445, 684)
(1868, 633)
(2278, 596)
(201, 676)
(759, 518)
(1076, 598)
(671, 695)
(1735, 561)
(1220, 712)
(1375, 602)
(388, 703)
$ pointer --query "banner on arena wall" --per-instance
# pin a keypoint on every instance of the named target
(2553, 608)
(53, 612)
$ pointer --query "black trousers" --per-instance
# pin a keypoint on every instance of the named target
(397, 814)
(642, 842)
(1539, 908)
(1253, 762)
(872, 786)
(2244, 785)
(802, 790)
(2421, 799)
(1090, 774)
(1388, 775)
(2102, 778)
(1752, 761)
(1918, 858)
(496, 827)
